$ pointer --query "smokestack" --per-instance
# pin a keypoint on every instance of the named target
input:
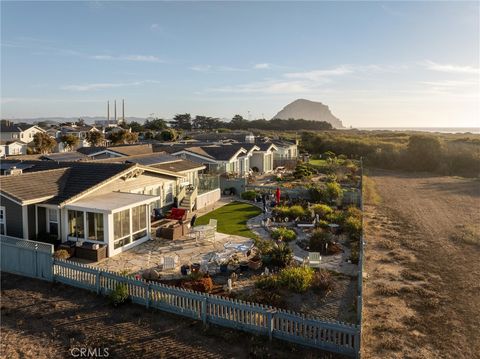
(115, 111)
(108, 111)
(123, 110)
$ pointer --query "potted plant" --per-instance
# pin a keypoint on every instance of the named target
(255, 262)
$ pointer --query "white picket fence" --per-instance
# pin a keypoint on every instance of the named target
(333, 336)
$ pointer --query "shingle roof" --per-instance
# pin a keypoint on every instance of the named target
(32, 165)
(145, 160)
(60, 184)
(90, 150)
(65, 156)
(36, 185)
(131, 150)
(179, 166)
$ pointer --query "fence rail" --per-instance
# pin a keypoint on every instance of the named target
(261, 319)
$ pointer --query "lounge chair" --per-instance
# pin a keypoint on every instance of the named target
(314, 259)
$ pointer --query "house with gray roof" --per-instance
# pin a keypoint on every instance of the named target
(89, 203)
(10, 131)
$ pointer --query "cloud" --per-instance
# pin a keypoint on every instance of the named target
(261, 66)
(317, 75)
(212, 68)
(154, 27)
(268, 87)
(456, 69)
(139, 58)
(104, 85)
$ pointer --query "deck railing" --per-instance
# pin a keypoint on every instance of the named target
(333, 336)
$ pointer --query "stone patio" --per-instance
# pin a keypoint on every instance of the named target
(149, 255)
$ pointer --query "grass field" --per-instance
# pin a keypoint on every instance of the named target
(317, 162)
(232, 218)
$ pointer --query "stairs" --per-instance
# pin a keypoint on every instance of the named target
(188, 202)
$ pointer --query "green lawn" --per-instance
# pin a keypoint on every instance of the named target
(317, 162)
(232, 218)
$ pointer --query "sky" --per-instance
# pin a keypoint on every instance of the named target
(375, 64)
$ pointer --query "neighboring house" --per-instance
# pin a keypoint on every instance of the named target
(12, 148)
(285, 150)
(102, 203)
(237, 136)
(96, 153)
(10, 131)
(191, 185)
(262, 159)
(81, 132)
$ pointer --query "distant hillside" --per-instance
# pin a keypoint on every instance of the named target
(309, 110)
(89, 120)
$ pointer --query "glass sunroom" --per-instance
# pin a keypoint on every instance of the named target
(120, 220)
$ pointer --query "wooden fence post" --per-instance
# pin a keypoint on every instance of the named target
(97, 282)
(147, 293)
(270, 324)
(204, 310)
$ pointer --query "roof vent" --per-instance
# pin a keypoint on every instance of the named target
(13, 171)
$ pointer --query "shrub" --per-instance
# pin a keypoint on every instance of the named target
(303, 171)
(249, 195)
(267, 282)
(119, 295)
(284, 234)
(323, 280)
(61, 254)
(355, 248)
(337, 217)
(281, 211)
(206, 284)
(319, 239)
(333, 191)
(297, 279)
(353, 227)
(280, 255)
(296, 211)
(322, 210)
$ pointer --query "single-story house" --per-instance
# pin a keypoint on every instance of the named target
(12, 148)
(101, 203)
(96, 153)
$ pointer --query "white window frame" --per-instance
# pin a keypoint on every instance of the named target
(3, 221)
(50, 221)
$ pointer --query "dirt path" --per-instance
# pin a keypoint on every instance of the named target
(422, 293)
(45, 320)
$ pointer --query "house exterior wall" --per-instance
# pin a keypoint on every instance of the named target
(42, 219)
(3, 150)
(16, 149)
(257, 160)
(13, 217)
(31, 222)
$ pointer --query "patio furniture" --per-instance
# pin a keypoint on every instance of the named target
(89, 251)
(69, 246)
(169, 262)
(213, 223)
(172, 230)
(204, 233)
(178, 214)
(314, 259)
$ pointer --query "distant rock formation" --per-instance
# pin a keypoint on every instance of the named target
(309, 110)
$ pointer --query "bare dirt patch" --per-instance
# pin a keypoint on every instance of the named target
(45, 320)
(422, 293)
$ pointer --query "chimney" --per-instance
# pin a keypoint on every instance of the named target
(115, 109)
(108, 111)
(123, 110)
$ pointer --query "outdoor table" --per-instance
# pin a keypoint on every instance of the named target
(201, 231)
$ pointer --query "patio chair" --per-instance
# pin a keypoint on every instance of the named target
(169, 262)
(314, 259)
(213, 223)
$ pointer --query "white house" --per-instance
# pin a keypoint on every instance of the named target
(10, 131)
(11, 148)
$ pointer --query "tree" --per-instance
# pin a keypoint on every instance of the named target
(122, 137)
(95, 138)
(80, 122)
(424, 152)
(168, 135)
(155, 124)
(70, 141)
(44, 143)
(239, 123)
(135, 126)
(182, 121)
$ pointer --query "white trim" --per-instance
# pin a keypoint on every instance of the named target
(4, 220)
(25, 221)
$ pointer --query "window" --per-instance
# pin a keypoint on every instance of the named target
(76, 224)
(3, 221)
(53, 221)
(169, 193)
(95, 226)
(121, 228)
(139, 218)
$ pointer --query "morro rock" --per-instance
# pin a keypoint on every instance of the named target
(309, 110)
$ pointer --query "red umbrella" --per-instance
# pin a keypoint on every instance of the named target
(277, 195)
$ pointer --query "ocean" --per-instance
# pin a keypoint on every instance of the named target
(475, 130)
